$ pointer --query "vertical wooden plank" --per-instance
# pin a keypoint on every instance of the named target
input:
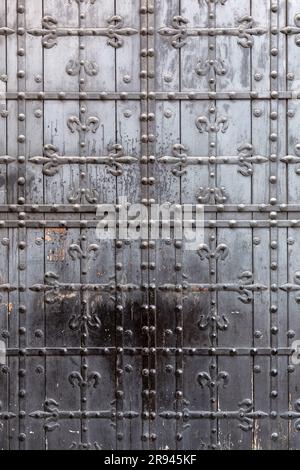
(66, 49)
(97, 50)
(194, 54)
(236, 58)
(167, 61)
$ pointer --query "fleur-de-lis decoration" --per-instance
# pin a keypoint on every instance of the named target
(206, 321)
(212, 122)
(86, 320)
(293, 287)
(84, 379)
(247, 159)
(51, 414)
(50, 168)
(84, 124)
(293, 159)
(212, 195)
(293, 415)
(205, 252)
(179, 158)
(73, 67)
(84, 252)
(211, 67)
(49, 40)
(204, 378)
(79, 195)
(246, 279)
(52, 295)
(116, 159)
(247, 414)
(113, 31)
(178, 31)
(293, 30)
(246, 31)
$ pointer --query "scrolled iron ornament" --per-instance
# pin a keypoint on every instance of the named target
(178, 31)
(114, 31)
(293, 415)
(50, 414)
(247, 159)
(212, 123)
(213, 320)
(293, 30)
(73, 67)
(205, 252)
(204, 379)
(84, 124)
(212, 195)
(84, 380)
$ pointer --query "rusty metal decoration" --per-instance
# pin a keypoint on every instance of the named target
(144, 344)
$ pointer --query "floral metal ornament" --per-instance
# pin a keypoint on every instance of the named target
(213, 320)
(84, 379)
(181, 160)
(293, 30)
(293, 287)
(84, 123)
(205, 252)
(81, 195)
(293, 159)
(73, 67)
(212, 122)
(50, 414)
(204, 378)
(180, 32)
(115, 160)
(211, 68)
(84, 252)
(245, 415)
(293, 415)
(86, 320)
(114, 31)
(212, 195)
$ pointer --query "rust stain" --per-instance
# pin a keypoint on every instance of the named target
(52, 232)
(10, 308)
(58, 237)
(56, 255)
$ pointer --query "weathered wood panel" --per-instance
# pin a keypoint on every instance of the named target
(144, 343)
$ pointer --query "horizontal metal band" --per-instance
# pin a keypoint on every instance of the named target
(133, 351)
(158, 95)
(94, 223)
(92, 208)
